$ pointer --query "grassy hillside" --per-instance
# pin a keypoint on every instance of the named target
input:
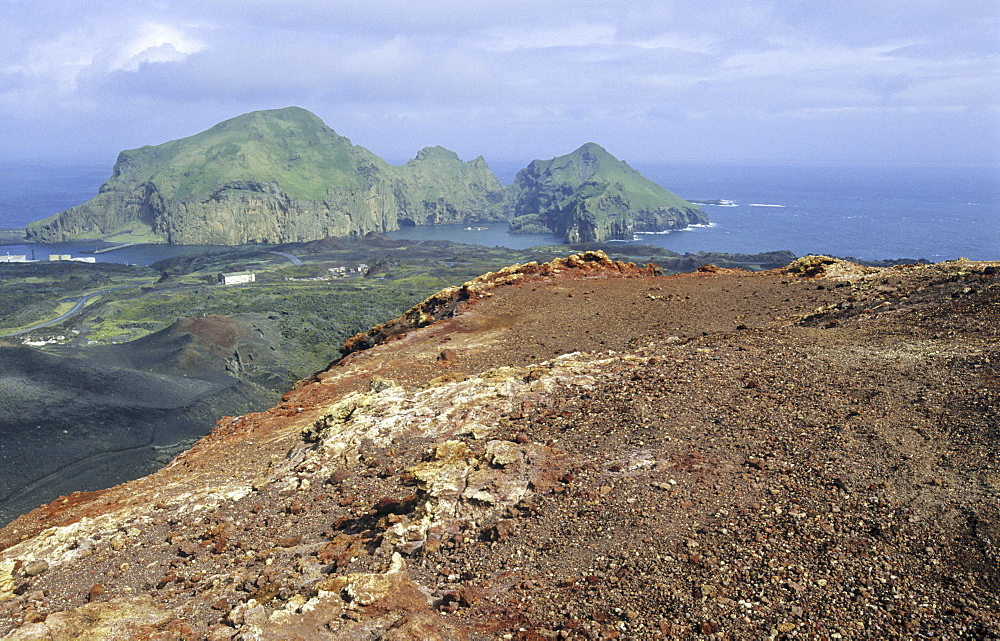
(436, 180)
(271, 177)
(290, 147)
(592, 164)
(589, 195)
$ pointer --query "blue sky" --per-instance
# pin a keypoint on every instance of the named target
(865, 80)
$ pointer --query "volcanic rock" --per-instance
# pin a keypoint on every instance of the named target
(593, 464)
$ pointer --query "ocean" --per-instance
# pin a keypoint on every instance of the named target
(860, 210)
(866, 211)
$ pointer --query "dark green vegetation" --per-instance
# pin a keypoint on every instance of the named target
(589, 195)
(282, 175)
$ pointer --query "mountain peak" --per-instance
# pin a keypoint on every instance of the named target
(267, 118)
(589, 195)
(437, 152)
(592, 148)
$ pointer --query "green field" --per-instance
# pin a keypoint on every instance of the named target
(311, 310)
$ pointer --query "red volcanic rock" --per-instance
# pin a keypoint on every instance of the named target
(590, 461)
(446, 303)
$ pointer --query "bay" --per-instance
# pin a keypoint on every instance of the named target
(863, 210)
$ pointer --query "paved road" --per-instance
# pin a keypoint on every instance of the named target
(289, 257)
(74, 310)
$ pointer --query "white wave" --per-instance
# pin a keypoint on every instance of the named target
(719, 202)
(763, 205)
(671, 231)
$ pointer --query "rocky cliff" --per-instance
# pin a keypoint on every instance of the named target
(589, 195)
(271, 177)
(282, 175)
(581, 450)
(436, 188)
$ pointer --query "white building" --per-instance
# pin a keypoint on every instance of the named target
(236, 278)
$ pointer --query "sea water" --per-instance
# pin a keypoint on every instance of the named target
(32, 191)
(861, 210)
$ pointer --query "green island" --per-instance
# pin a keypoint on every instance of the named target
(282, 175)
(589, 195)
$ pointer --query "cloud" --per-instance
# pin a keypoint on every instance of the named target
(676, 42)
(514, 38)
(59, 64)
(152, 42)
(491, 71)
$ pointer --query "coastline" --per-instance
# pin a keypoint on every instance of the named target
(13, 236)
(937, 212)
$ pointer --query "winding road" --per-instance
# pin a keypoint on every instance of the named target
(80, 303)
(294, 259)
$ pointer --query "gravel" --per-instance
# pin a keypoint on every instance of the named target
(718, 455)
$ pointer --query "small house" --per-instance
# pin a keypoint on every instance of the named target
(237, 278)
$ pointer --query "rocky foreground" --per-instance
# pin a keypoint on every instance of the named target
(579, 450)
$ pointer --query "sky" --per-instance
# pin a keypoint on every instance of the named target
(650, 80)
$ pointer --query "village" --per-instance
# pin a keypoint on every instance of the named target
(22, 258)
(333, 273)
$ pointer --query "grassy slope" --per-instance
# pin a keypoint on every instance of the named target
(290, 147)
(434, 170)
(592, 163)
